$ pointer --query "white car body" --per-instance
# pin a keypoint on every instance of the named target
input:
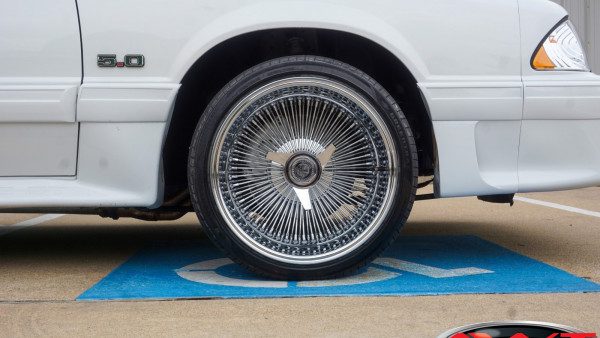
(73, 134)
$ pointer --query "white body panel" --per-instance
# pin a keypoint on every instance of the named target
(117, 166)
(126, 102)
(560, 142)
(40, 74)
(35, 149)
(560, 138)
(38, 103)
(417, 32)
(499, 125)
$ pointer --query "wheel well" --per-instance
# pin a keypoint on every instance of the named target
(225, 61)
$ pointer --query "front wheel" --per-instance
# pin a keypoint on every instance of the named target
(303, 167)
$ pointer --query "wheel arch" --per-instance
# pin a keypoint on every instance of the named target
(265, 16)
(214, 67)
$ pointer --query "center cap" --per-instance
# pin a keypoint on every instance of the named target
(303, 170)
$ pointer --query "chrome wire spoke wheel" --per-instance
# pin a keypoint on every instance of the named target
(302, 170)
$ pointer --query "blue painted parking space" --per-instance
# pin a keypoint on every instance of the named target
(414, 265)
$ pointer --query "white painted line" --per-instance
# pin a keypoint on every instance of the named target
(558, 206)
(371, 275)
(6, 229)
(427, 270)
(205, 272)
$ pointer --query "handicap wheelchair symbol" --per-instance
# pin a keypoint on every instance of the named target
(207, 272)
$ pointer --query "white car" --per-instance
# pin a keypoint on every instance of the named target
(297, 130)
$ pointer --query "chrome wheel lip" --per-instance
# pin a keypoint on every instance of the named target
(344, 90)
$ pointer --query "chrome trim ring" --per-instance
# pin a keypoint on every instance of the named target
(331, 125)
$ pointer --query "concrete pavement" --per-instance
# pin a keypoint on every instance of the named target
(44, 267)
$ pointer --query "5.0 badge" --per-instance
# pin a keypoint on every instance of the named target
(130, 60)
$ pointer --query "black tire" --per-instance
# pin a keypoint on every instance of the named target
(207, 205)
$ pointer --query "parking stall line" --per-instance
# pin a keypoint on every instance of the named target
(6, 229)
(558, 206)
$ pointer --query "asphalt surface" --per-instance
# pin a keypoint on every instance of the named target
(44, 267)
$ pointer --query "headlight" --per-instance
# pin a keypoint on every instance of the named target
(561, 50)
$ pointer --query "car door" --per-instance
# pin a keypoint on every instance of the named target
(40, 74)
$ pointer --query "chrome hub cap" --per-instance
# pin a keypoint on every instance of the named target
(302, 170)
